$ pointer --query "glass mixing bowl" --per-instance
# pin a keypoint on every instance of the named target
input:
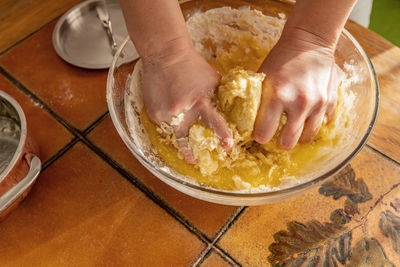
(365, 108)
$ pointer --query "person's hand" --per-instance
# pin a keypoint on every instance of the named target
(182, 82)
(301, 81)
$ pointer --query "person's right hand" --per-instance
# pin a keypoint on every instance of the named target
(182, 82)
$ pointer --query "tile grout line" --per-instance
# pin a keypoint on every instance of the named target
(59, 153)
(133, 180)
(211, 246)
(228, 224)
(218, 236)
(74, 140)
(148, 192)
(28, 35)
(383, 155)
(39, 101)
(202, 256)
(223, 254)
(95, 123)
(74, 131)
(81, 137)
(226, 258)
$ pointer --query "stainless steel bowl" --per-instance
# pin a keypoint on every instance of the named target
(19, 165)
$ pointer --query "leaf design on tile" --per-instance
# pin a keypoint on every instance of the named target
(310, 244)
(395, 204)
(345, 184)
(389, 224)
(368, 252)
(351, 208)
(330, 244)
(340, 217)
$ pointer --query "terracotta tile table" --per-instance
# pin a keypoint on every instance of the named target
(94, 204)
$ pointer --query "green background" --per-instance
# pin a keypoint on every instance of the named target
(385, 19)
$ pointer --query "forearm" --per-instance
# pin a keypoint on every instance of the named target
(155, 25)
(322, 19)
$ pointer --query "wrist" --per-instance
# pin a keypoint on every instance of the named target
(168, 52)
(323, 20)
(307, 40)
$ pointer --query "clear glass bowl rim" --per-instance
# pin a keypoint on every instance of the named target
(238, 194)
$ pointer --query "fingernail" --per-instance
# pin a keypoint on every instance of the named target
(260, 139)
(284, 144)
(227, 143)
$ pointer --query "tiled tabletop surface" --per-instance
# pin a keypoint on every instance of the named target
(94, 204)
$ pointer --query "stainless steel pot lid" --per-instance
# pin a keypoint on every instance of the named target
(80, 38)
(10, 133)
(19, 149)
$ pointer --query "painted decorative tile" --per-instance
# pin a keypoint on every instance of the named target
(381, 227)
(76, 94)
(46, 131)
(83, 213)
(323, 227)
(208, 217)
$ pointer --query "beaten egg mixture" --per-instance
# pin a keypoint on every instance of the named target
(249, 164)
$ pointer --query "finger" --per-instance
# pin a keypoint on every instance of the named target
(185, 151)
(181, 128)
(331, 108)
(267, 121)
(332, 93)
(291, 132)
(312, 126)
(213, 119)
(153, 115)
